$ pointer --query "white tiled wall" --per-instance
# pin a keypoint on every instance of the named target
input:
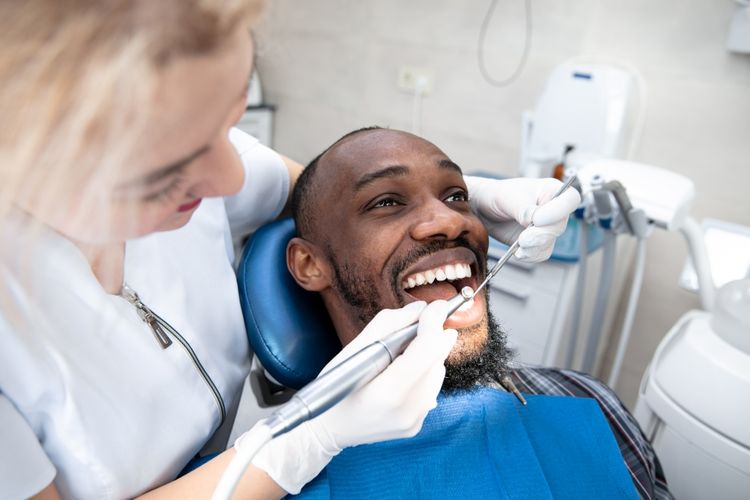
(330, 66)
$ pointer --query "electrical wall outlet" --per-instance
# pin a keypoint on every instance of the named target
(412, 79)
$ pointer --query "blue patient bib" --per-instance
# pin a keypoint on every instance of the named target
(483, 444)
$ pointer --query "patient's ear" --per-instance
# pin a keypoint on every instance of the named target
(308, 265)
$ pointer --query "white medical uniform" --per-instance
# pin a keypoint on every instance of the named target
(88, 397)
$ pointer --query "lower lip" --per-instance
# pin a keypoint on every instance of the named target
(189, 206)
(469, 317)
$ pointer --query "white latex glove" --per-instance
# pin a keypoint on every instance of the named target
(507, 206)
(391, 406)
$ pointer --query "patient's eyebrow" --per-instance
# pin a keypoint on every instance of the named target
(445, 163)
(392, 171)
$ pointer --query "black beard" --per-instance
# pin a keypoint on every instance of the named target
(484, 368)
(356, 291)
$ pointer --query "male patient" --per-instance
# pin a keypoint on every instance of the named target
(383, 219)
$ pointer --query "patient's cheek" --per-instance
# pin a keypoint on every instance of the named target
(469, 344)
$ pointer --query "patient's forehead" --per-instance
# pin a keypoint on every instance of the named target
(371, 150)
(334, 196)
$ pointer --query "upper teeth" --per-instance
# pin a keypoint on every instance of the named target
(449, 272)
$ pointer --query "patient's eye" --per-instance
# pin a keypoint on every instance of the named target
(388, 201)
(459, 196)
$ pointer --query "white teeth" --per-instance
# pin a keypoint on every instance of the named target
(450, 272)
(460, 271)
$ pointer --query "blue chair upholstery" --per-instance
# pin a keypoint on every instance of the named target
(287, 326)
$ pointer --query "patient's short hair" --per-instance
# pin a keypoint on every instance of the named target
(304, 209)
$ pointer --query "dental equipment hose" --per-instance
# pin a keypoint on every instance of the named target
(346, 377)
(256, 439)
(575, 323)
(627, 325)
(609, 251)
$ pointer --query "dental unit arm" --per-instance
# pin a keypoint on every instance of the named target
(648, 196)
(663, 196)
(638, 198)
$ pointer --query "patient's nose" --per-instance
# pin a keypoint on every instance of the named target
(438, 220)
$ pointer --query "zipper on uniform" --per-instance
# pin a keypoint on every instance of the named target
(160, 327)
(147, 316)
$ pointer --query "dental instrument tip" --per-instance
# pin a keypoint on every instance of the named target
(467, 292)
(508, 384)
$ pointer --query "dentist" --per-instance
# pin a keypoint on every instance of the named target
(122, 186)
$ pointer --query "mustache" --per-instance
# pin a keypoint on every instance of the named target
(432, 247)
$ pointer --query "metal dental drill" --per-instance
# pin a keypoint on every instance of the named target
(324, 392)
(349, 375)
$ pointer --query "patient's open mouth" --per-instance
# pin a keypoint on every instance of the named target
(439, 282)
(442, 275)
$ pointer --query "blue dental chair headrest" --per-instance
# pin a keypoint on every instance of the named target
(288, 327)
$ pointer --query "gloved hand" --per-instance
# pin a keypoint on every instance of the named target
(508, 206)
(391, 406)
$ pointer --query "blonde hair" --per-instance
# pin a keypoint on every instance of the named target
(75, 72)
(74, 75)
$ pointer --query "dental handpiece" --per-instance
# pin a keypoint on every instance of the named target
(323, 393)
(351, 374)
